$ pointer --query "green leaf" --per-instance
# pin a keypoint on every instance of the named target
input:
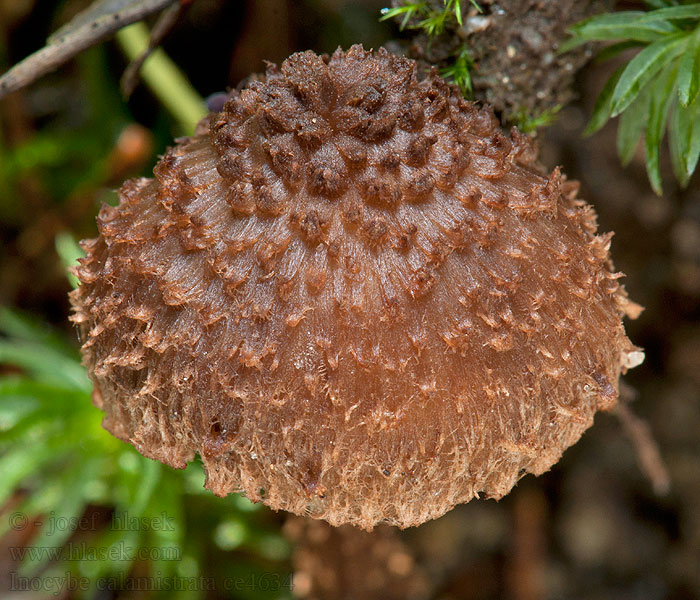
(23, 428)
(434, 25)
(48, 397)
(602, 23)
(17, 464)
(110, 558)
(73, 481)
(14, 408)
(17, 324)
(631, 126)
(693, 124)
(69, 252)
(684, 140)
(168, 501)
(689, 70)
(658, 3)
(456, 7)
(675, 141)
(148, 475)
(617, 26)
(45, 363)
(459, 72)
(614, 49)
(642, 68)
(407, 11)
(603, 105)
(689, 11)
(661, 97)
(528, 123)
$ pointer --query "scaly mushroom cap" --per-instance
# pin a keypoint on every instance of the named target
(354, 297)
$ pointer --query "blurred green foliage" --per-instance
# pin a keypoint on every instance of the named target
(419, 14)
(59, 468)
(64, 148)
(58, 464)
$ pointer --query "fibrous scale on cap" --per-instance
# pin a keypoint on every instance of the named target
(354, 297)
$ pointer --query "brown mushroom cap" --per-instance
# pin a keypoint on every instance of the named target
(354, 297)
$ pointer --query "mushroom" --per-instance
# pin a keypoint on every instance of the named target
(354, 297)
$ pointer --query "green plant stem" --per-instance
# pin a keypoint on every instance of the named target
(164, 78)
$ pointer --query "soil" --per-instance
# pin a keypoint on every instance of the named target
(514, 45)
